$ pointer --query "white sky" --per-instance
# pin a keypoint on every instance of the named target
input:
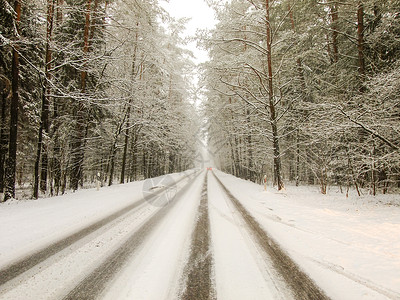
(202, 17)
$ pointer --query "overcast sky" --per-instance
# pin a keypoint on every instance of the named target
(202, 17)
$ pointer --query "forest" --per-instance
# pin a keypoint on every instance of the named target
(91, 90)
(301, 91)
(306, 91)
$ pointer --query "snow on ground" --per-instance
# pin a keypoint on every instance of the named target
(28, 225)
(240, 271)
(350, 247)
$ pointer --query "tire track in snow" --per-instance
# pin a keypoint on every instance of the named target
(277, 285)
(198, 271)
(302, 286)
(28, 262)
(241, 268)
(94, 284)
(58, 274)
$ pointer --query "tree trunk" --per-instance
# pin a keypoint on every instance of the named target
(77, 154)
(46, 95)
(5, 90)
(36, 168)
(273, 119)
(145, 164)
(112, 164)
(44, 126)
(126, 141)
(373, 166)
(93, 20)
(382, 177)
(335, 18)
(80, 118)
(60, 3)
(64, 179)
(12, 146)
(133, 157)
(303, 88)
(237, 158)
(233, 165)
(114, 146)
(323, 180)
(86, 44)
(328, 48)
(353, 176)
(360, 40)
(56, 160)
(249, 147)
(128, 117)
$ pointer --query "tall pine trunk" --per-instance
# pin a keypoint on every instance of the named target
(360, 40)
(271, 104)
(12, 146)
(335, 18)
(5, 92)
(112, 163)
(250, 147)
(133, 155)
(128, 117)
(56, 159)
(114, 149)
(44, 127)
(77, 144)
(126, 141)
(37, 161)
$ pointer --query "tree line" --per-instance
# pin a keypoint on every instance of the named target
(91, 90)
(307, 91)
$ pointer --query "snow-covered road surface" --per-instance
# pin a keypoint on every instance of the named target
(209, 242)
(49, 271)
(282, 274)
(149, 258)
(240, 270)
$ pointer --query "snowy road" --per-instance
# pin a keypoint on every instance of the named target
(201, 244)
(194, 247)
(68, 263)
(279, 277)
(240, 269)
